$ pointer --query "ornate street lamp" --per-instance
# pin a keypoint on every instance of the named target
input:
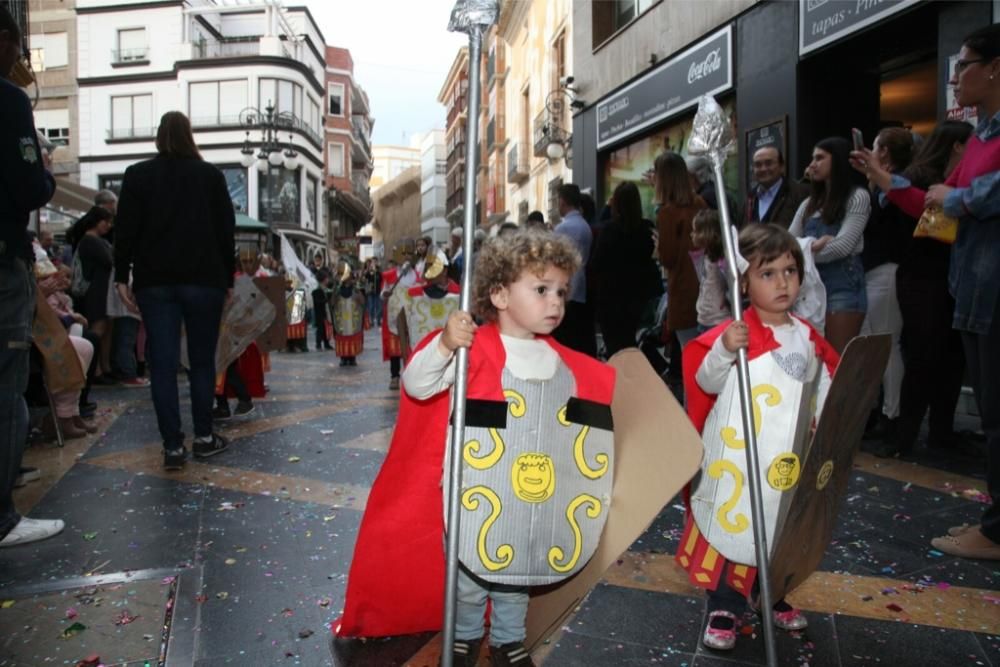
(270, 152)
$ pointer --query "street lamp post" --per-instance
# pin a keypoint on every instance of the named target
(270, 152)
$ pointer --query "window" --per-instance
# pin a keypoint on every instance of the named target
(278, 196)
(111, 182)
(525, 121)
(53, 125)
(312, 115)
(558, 61)
(131, 116)
(610, 16)
(236, 182)
(554, 185)
(284, 96)
(49, 51)
(132, 46)
(310, 220)
(335, 159)
(216, 102)
(336, 94)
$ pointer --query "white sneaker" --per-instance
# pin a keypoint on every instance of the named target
(32, 530)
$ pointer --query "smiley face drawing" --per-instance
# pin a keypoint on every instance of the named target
(533, 477)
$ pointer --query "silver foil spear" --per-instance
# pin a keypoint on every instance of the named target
(473, 17)
(712, 136)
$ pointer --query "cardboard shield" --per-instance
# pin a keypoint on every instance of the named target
(346, 314)
(62, 368)
(296, 307)
(420, 315)
(247, 315)
(394, 307)
(806, 529)
(536, 483)
(657, 451)
(785, 395)
(275, 336)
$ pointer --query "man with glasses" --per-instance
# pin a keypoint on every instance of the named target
(773, 198)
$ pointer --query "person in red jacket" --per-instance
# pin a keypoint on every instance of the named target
(794, 364)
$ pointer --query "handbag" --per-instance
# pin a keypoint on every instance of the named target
(936, 225)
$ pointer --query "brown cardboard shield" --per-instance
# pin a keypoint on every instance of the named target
(657, 451)
(805, 532)
(274, 338)
(63, 371)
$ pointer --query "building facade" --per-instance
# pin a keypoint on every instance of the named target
(397, 208)
(391, 160)
(348, 131)
(537, 35)
(454, 97)
(224, 66)
(433, 187)
(788, 73)
(491, 177)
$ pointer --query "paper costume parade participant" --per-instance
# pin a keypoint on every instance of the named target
(398, 278)
(791, 367)
(426, 307)
(539, 453)
(347, 313)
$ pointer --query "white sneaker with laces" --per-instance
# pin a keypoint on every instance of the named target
(32, 530)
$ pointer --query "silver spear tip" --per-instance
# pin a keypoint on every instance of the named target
(467, 14)
(712, 134)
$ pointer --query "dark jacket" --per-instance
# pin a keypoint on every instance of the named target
(175, 225)
(25, 184)
(783, 208)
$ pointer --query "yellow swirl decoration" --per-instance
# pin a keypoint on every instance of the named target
(517, 407)
(556, 554)
(505, 552)
(741, 523)
(728, 433)
(578, 451)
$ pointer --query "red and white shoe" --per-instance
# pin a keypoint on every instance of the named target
(720, 633)
(790, 619)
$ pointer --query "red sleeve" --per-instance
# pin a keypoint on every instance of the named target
(699, 403)
(909, 200)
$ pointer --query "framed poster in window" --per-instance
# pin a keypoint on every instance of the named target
(772, 133)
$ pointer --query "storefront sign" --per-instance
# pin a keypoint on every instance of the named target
(769, 134)
(824, 21)
(953, 111)
(704, 69)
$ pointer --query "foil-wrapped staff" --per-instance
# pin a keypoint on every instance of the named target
(713, 137)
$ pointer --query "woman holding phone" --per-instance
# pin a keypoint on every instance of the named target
(835, 214)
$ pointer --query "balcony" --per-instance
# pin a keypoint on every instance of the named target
(518, 170)
(360, 188)
(130, 133)
(456, 110)
(456, 200)
(233, 47)
(547, 131)
(361, 137)
(125, 57)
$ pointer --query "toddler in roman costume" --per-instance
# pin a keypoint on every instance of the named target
(791, 366)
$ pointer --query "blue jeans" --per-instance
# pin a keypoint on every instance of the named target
(17, 310)
(374, 309)
(510, 606)
(163, 309)
(123, 337)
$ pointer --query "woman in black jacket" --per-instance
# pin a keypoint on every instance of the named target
(624, 268)
(174, 232)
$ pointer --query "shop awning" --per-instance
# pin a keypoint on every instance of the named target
(244, 223)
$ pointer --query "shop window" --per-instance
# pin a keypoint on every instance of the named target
(610, 16)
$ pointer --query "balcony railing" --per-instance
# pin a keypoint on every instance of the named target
(546, 131)
(234, 47)
(131, 133)
(518, 170)
(455, 200)
(457, 108)
(361, 190)
(130, 56)
(215, 121)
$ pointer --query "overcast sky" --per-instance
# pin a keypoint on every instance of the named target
(402, 51)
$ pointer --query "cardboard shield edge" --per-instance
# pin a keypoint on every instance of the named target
(657, 451)
(794, 559)
(61, 366)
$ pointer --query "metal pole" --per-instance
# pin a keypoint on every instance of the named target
(462, 370)
(749, 428)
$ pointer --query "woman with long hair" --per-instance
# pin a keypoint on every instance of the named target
(835, 215)
(93, 262)
(677, 205)
(932, 353)
(622, 264)
(971, 196)
(175, 231)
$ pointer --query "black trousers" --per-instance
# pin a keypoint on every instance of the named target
(982, 354)
(577, 329)
(321, 339)
(394, 364)
(933, 357)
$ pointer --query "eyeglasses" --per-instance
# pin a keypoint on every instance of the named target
(960, 65)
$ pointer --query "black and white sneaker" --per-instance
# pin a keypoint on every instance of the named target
(174, 459)
(243, 409)
(465, 652)
(221, 413)
(511, 655)
(203, 449)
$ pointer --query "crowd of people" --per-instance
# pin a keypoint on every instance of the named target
(899, 238)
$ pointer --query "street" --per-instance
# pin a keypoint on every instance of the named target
(242, 559)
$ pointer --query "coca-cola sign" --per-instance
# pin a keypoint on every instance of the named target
(668, 90)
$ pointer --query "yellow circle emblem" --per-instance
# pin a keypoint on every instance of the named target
(533, 477)
(438, 310)
(783, 473)
(825, 473)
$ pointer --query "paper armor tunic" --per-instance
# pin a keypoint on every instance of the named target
(536, 482)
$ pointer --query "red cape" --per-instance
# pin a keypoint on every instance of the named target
(699, 403)
(396, 581)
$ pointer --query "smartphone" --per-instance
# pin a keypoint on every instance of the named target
(859, 139)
